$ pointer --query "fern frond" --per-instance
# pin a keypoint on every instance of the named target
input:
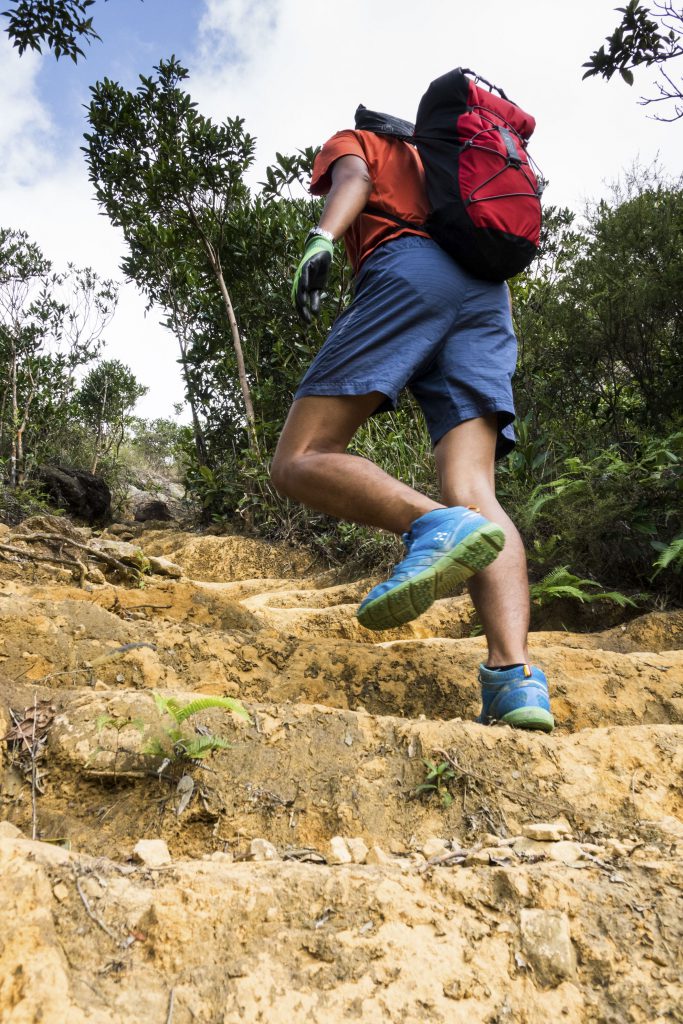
(202, 703)
(154, 748)
(200, 746)
(560, 582)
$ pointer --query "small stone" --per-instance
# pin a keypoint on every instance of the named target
(566, 852)
(547, 831)
(153, 853)
(488, 854)
(164, 567)
(100, 685)
(643, 853)
(272, 914)
(593, 848)
(477, 857)
(10, 831)
(221, 857)
(358, 850)
(376, 855)
(434, 847)
(547, 945)
(530, 847)
(92, 888)
(338, 851)
(261, 849)
(671, 826)
(60, 892)
(616, 848)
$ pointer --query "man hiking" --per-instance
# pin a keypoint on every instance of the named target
(417, 320)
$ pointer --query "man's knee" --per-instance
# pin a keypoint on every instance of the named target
(281, 474)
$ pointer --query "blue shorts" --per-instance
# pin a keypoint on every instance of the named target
(418, 320)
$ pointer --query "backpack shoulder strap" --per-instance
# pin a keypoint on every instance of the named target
(382, 124)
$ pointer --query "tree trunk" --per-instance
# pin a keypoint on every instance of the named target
(214, 259)
(199, 439)
(100, 428)
(15, 416)
(237, 343)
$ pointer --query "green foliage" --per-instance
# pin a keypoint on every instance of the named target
(670, 555)
(179, 746)
(181, 712)
(106, 398)
(61, 24)
(173, 181)
(602, 326)
(51, 326)
(560, 584)
(606, 514)
(437, 777)
(643, 37)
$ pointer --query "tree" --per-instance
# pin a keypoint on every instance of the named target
(173, 181)
(50, 324)
(649, 37)
(603, 329)
(107, 397)
(59, 24)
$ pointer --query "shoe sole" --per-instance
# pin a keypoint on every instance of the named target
(530, 718)
(413, 597)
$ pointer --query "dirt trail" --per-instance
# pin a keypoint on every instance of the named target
(300, 875)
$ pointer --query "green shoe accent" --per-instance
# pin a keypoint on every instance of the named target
(530, 718)
(408, 600)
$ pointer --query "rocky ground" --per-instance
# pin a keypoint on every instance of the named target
(303, 874)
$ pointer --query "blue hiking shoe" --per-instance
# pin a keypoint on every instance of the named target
(443, 548)
(518, 696)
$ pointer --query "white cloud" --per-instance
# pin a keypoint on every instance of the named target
(234, 31)
(53, 201)
(296, 71)
(25, 127)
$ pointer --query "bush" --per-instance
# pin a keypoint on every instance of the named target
(615, 517)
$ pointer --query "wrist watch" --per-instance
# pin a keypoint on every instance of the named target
(321, 233)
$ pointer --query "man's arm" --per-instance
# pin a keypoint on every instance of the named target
(350, 191)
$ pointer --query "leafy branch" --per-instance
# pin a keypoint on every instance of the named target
(649, 37)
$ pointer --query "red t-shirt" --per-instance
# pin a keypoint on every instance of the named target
(398, 187)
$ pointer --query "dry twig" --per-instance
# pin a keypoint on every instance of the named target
(518, 795)
(33, 768)
(91, 913)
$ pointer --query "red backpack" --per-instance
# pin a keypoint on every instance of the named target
(482, 186)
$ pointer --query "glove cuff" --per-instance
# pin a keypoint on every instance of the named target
(316, 243)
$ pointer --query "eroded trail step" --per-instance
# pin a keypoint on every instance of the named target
(587, 928)
(91, 942)
(302, 774)
(188, 640)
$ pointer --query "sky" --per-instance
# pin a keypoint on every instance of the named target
(296, 72)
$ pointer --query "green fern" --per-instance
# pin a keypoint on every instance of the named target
(200, 746)
(178, 746)
(670, 555)
(181, 712)
(561, 583)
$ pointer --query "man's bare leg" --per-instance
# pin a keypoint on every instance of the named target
(311, 465)
(465, 461)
